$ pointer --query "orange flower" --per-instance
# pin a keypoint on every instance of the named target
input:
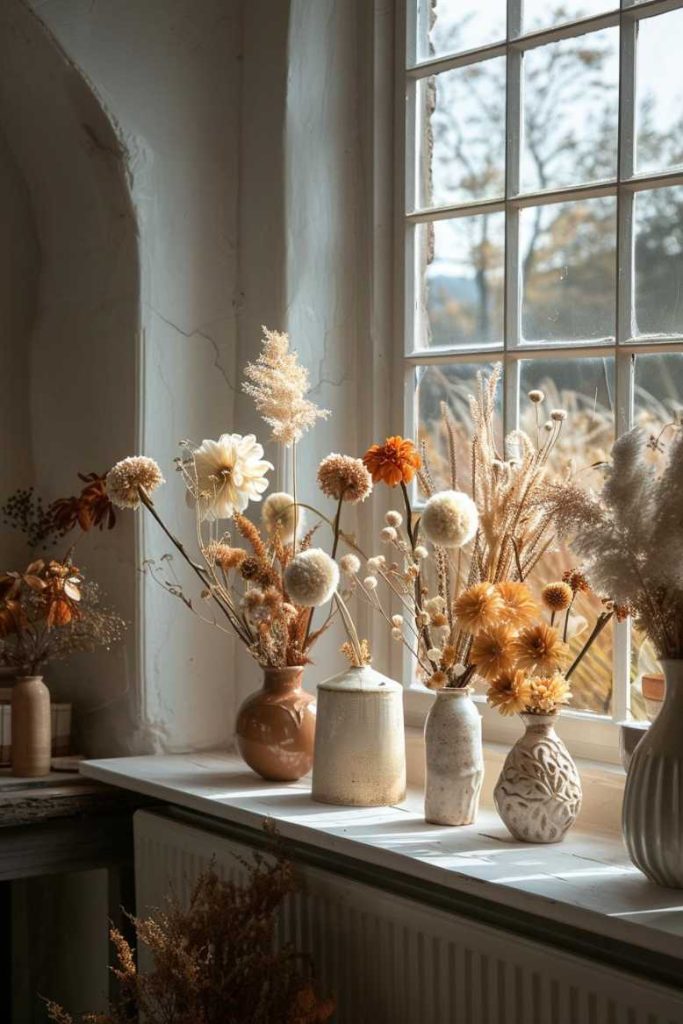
(546, 695)
(509, 693)
(393, 462)
(492, 651)
(539, 648)
(478, 607)
(519, 607)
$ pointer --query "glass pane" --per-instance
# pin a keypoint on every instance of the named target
(585, 389)
(658, 299)
(571, 108)
(568, 268)
(658, 400)
(539, 14)
(659, 93)
(451, 26)
(463, 134)
(460, 281)
(453, 384)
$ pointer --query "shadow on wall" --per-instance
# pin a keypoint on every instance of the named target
(69, 323)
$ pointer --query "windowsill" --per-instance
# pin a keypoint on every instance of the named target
(585, 884)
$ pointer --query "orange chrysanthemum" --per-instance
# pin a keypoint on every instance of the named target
(394, 462)
(519, 607)
(546, 695)
(492, 651)
(510, 693)
(539, 648)
(478, 607)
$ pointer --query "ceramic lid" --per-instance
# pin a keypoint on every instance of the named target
(363, 680)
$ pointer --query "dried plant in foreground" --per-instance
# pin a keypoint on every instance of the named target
(215, 962)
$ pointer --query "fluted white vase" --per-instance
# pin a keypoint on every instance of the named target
(652, 817)
(360, 754)
(454, 758)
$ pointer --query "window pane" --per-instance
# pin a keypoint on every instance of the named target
(585, 389)
(571, 106)
(451, 26)
(658, 300)
(463, 140)
(460, 281)
(659, 93)
(453, 384)
(540, 14)
(568, 263)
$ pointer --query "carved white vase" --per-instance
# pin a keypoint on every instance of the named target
(653, 798)
(360, 754)
(538, 794)
(454, 759)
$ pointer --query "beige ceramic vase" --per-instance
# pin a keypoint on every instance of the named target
(31, 727)
(360, 756)
(276, 726)
(538, 794)
(454, 759)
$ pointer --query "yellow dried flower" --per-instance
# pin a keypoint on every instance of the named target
(548, 694)
(478, 607)
(509, 693)
(437, 680)
(539, 648)
(491, 651)
(557, 596)
(344, 478)
(519, 607)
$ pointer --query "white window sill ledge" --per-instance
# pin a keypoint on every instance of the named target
(586, 882)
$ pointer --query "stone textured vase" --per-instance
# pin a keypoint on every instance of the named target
(454, 758)
(360, 758)
(538, 794)
(653, 798)
(31, 732)
(276, 727)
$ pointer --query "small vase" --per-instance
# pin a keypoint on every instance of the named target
(276, 726)
(538, 794)
(31, 732)
(360, 758)
(653, 798)
(454, 758)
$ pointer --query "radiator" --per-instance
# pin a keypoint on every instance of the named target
(390, 960)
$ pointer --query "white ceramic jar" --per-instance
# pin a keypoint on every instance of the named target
(454, 759)
(359, 758)
(652, 817)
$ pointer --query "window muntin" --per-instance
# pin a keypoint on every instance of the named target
(550, 236)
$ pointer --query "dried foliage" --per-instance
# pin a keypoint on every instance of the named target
(216, 961)
(46, 525)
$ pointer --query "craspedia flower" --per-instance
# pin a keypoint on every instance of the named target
(557, 596)
(539, 648)
(344, 478)
(450, 519)
(491, 651)
(349, 564)
(128, 477)
(224, 555)
(519, 607)
(280, 513)
(394, 462)
(546, 695)
(478, 607)
(311, 578)
(509, 693)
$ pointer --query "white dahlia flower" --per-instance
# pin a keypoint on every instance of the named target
(311, 578)
(231, 472)
(449, 519)
(279, 511)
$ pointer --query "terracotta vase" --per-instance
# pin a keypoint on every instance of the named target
(652, 818)
(276, 726)
(31, 727)
(538, 794)
(454, 759)
(360, 750)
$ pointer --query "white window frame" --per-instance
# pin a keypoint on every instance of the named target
(589, 735)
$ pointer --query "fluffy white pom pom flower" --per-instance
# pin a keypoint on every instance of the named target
(350, 564)
(311, 578)
(279, 513)
(449, 519)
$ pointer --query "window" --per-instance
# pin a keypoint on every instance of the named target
(544, 228)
